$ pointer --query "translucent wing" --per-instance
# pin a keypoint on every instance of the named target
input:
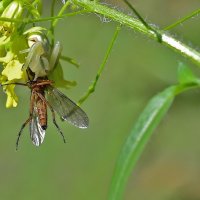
(66, 108)
(36, 132)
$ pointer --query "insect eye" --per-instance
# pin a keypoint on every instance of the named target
(32, 40)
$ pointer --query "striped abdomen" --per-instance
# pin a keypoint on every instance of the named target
(42, 110)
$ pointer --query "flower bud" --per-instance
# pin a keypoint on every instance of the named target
(12, 11)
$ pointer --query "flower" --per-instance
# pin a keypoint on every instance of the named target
(10, 44)
(12, 98)
(12, 11)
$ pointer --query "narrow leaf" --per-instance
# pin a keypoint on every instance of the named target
(70, 60)
(185, 74)
(136, 141)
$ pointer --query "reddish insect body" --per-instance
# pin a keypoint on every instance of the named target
(40, 104)
(44, 95)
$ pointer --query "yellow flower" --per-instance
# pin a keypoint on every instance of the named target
(12, 11)
(13, 70)
(6, 59)
(12, 99)
(11, 73)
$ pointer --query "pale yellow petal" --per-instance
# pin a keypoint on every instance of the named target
(6, 59)
(13, 70)
(12, 98)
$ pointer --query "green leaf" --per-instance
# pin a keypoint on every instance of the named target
(136, 141)
(58, 77)
(185, 74)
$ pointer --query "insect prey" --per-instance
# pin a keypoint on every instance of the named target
(40, 61)
(44, 95)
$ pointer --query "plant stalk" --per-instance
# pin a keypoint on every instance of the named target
(131, 22)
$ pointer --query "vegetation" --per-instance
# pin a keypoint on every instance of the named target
(18, 22)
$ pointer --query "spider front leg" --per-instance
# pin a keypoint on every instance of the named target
(55, 55)
(37, 60)
(34, 53)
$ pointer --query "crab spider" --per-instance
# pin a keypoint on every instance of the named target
(41, 58)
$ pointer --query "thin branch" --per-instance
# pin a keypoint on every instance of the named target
(142, 20)
(55, 17)
(180, 21)
(52, 27)
(30, 21)
(92, 87)
(55, 21)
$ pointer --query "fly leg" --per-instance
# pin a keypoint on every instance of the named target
(55, 123)
(43, 82)
(20, 132)
(53, 116)
(28, 120)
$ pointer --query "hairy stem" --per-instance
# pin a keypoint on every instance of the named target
(137, 25)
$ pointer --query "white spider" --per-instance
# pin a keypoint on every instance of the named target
(41, 58)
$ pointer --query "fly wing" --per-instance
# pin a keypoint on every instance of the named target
(66, 108)
(36, 132)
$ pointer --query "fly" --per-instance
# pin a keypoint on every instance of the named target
(43, 96)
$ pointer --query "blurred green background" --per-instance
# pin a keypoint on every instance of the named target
(137, 69)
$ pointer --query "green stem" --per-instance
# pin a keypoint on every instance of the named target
(30, 21)
(180, 21)
(142, 20)
(52, 27)
(5, 19)
(137, 25)
(54, 22)
(53, 18)
(92, 87)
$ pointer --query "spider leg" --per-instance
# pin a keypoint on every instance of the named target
(55, 56)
